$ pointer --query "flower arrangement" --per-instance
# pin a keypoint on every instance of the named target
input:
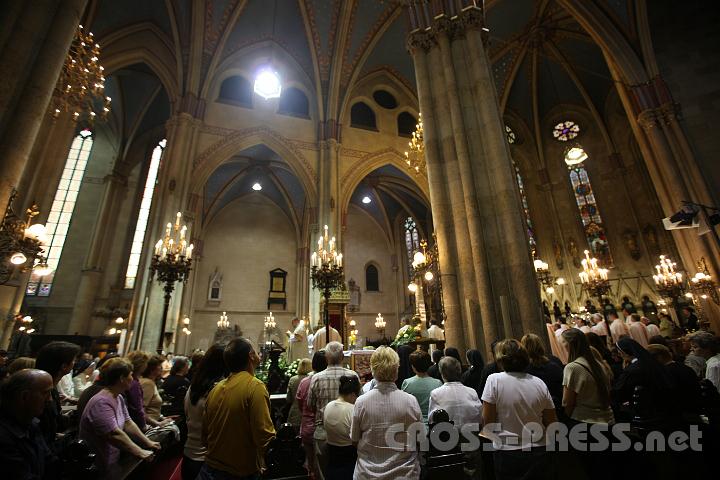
(291, 370)
(405, 337)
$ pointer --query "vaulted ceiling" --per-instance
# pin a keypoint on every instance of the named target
(541, 56)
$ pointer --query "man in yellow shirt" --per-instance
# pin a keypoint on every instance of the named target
(237, 426)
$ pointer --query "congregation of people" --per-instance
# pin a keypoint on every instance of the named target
(592, 374)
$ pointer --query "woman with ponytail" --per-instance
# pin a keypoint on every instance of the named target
(586, 385)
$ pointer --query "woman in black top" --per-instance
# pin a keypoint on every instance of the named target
(176, 384)
(548, 369)
(473, 376)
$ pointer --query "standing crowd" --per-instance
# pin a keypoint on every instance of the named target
(348, 430)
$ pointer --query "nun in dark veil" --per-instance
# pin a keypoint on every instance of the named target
(405, 369)
(473, 376)
(644, 371)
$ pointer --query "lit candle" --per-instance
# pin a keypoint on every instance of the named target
(339, 260)
(177, 220)
(189, 251)
(325, 236)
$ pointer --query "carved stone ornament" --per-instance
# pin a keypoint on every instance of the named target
(420, 40)
(574, 252)
(557, 251)
(651, 240)
(630, 239)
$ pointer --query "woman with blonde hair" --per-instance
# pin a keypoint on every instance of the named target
(378, 410)
(294, 416)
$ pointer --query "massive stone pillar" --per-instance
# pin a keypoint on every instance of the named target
(18, 136)
(103, 237)
(484, 257)
(172, 196)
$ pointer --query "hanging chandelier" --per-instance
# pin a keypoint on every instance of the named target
(415, 158)
(80, 88)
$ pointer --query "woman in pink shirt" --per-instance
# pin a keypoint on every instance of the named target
(307, 421)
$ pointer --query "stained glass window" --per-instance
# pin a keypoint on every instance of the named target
(58, 222)
(566, 130)
(526, 212)
(412, 242)
(510, 135)
(143, 215)
(589, 213)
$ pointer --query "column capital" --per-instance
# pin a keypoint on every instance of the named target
(666, 113)
(420, 40)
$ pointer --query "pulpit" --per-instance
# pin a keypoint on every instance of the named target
(337, 304)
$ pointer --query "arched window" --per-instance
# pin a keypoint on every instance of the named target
(372, 280)
(294, 102)
(58, 222)
(385, 99)
(236, 90)
(362, 116)
(143, 215)
(587, 206)
(406, 124)
(412, 242)
(526, 212)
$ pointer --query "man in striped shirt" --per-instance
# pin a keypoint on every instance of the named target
(324, 387)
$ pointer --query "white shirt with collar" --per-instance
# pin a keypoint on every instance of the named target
(460, 402)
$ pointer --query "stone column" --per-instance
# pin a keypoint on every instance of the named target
(20, 135)
(39, 185)
(418, 43)
(513, 272)
(172, 196)
(102, 240)
(476, 207)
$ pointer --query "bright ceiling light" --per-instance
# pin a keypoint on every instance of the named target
(550, 290)
(412, 287)
(560, 281)
(18, 258)
(36, 230)
(267, 83)
(429, 276)
(418, 259)
(575, 155)
(256, 186)
(366, 199)
(42, 269)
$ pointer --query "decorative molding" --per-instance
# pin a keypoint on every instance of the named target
(233, 136)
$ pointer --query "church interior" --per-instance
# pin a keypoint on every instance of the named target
(178, 173)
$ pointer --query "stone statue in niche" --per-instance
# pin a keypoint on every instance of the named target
(354, 290)
(631, 243)
(574, 253)
(215, 286)
(651, 240)
(557, 251)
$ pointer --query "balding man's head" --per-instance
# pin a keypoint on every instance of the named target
(26, 393)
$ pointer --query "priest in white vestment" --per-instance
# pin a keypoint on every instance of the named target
(297, 346)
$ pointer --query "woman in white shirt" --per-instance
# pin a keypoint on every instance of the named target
(337, 419)
(82, 370)
(515, 405)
